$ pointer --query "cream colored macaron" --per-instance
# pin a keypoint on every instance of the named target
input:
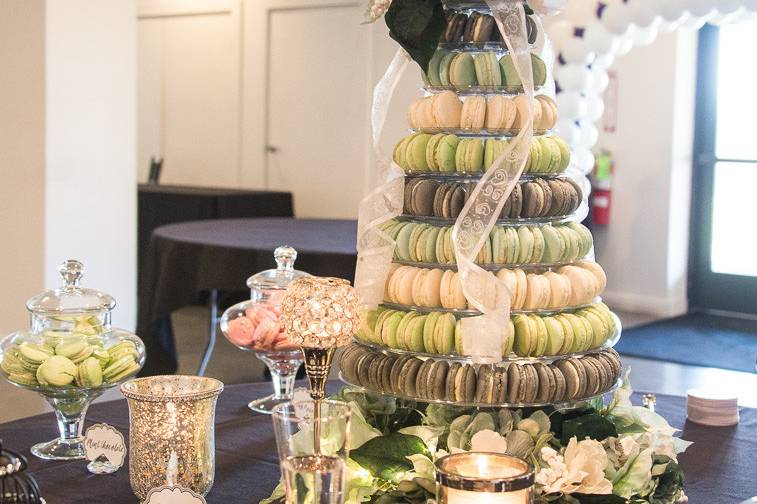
(522, 106)
(597, 271)
(473, 113)
(560, 289)
(500, 113)
(446, 108)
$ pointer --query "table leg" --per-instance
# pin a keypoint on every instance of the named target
(213, 302)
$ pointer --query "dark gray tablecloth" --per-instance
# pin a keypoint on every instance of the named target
(719, 466)
(158, 205)
(186, 259)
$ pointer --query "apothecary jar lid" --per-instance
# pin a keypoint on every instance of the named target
(279, 277)
(70, 298)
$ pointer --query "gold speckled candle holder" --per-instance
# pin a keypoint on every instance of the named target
(171, 432)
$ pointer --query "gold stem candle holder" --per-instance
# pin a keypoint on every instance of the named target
(483, 478)
(171, 432)
(319, 314)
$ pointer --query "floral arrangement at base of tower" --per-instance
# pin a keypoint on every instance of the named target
(612, 453)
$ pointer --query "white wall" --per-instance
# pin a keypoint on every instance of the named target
(91, 146)
(22, 157)
(644, 249)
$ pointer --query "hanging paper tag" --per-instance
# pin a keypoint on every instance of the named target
(105, 448)
(173, 495)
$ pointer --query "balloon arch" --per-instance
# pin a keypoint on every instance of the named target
(588, 35)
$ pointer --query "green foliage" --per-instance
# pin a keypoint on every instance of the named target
(386, 456)
(591, 425)
(417, 26)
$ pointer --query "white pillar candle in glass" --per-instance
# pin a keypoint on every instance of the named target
(483, 478)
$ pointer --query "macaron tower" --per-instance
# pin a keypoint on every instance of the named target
(558, 348)
(70, 356)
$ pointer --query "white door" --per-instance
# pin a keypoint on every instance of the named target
(189, 90)
(317, 105)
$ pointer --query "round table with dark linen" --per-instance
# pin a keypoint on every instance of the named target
(188, 259)
(719, 466)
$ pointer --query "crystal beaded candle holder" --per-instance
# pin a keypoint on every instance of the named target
(171, 432)
(483, 478)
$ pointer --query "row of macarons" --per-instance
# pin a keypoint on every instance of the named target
(478, 28)
(72, 362)
(464, 71)
(532, 335)
(505, 245)
(567, 286)
(516, 384)
(424, 152)
(534, 198)
(475, 114)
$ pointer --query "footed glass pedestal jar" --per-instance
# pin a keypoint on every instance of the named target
(254, 326)
(70, 356)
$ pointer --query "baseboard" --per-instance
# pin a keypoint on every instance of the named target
(664, 307)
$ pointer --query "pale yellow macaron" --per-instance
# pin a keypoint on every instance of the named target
(582, 283)
(473, 113)
(538, 294)
(451, 291)
(521, 287)
(597, 271)
(446, 108)
(560, 290)
(548, 113)
(500, 113)
(522, 106)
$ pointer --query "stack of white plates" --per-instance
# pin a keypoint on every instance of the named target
(712, 407)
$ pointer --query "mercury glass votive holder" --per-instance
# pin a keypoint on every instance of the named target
(171, 432)
(483, 478)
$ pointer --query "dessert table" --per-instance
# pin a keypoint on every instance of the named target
(718, 466)
(189, 258)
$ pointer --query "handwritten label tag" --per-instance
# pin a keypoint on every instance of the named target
(303, 403)
(173, 495)
(105, 448)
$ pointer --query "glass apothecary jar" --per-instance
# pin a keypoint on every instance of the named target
(254, 326)
(70, 355)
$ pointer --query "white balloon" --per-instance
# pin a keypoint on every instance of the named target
(580, 12)
(601, 79)
(616, 19)
(571, 105)
(672, 10)
(599, 38)
(604, 60)
(589, 134)
(559, 32)
(568, 131)
(750, 5)
(728, 6)
(722, 19)
(584, 158)
(701, 8)
(644, 36)
(624, 47)
(573, 77)
(642, 12)
(595, 106)
(577, 50)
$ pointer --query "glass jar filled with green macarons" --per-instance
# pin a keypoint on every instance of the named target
(70, 355)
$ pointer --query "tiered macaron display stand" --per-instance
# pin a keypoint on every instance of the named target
(559, 350)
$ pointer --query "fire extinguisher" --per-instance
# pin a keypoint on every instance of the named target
(601, 189)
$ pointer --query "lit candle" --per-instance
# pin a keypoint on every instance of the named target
(483, 478)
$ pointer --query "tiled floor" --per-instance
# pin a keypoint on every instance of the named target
(232, 365)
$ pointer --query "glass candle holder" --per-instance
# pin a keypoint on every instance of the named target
(312, 474)
(171, 432)
(483, 478)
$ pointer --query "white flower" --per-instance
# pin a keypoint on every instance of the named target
(580, 469)
(489, 441)
(376, 9)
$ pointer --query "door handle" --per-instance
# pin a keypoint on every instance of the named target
(272, 149)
